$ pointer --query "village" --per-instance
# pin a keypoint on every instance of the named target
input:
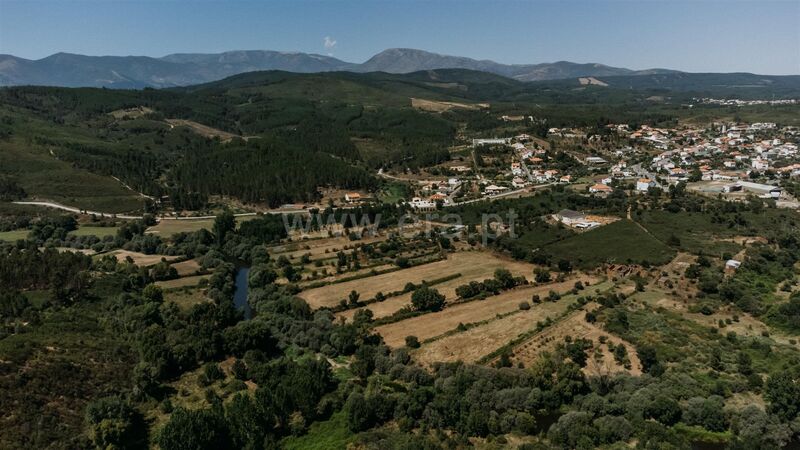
(734, 160)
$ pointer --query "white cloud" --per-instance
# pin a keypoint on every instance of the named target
(329, 43)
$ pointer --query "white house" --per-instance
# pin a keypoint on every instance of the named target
(351, 197)
(494, 189)
(759, 164)
(569, 217)
(600, 188)
(643, 184)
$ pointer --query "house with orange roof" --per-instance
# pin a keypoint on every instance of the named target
(599, 188)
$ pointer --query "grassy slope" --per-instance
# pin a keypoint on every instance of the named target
(13, 236)
(619, 242)
(329, 435)
(45, 177)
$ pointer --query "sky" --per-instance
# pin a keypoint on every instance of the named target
(760, 36)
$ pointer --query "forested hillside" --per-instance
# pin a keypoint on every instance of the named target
(277, 137)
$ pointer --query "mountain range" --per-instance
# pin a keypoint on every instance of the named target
(182, 69)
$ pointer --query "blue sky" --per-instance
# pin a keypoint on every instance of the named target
(759, 36)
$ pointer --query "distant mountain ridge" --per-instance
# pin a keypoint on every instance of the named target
(183, 69)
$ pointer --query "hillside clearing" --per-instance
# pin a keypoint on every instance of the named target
(469, 264)
(181, 282)
(471, 345)
(622, 241)
(188, 267)
(469, 272)
(437, 323)
(140, 259)
(575, 326)
(439, 106)
(203, 130)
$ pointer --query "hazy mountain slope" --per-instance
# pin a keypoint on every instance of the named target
(219, 65)
(70, 70)
(405, 60)
(64, 69)
(183, 69)
(688, 85)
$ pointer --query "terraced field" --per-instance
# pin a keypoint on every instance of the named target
(471, 345)
(435, 324)
(470, 264)
(469, 272)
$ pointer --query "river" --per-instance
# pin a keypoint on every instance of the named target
(240, 294)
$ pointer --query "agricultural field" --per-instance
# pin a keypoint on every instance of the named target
(181, 282)
(619, 242)
(186, 268)
(202, 130)
(637, 333)
(575, 326)
(434, 324)
(739, 322)
(167, 227)
(322, 248)
(695, 231)
(14, 235)
(140, 259)
(88, 230)
(185, 298)
(478, 341)
(470, 264)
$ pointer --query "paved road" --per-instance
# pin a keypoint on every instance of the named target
(76, 210)
(132, 217)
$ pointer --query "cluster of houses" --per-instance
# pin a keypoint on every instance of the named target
(735, 153)
(737, 102)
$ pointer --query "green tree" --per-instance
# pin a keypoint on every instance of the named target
(783, 394)
(152, 293)
(427, 299)
(224, 223)
(541, 275)
(504, 277)
(194, 430)
(359, 416)
(112, 423)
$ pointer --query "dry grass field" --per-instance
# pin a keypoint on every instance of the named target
(469, 264)
(334, 276)
(478, 271)
(475, 343)
(434, 324)
(167, 227)
(181, 282)
(185, 298)
(186, 268)
(140, 259)
(203, 130)
(131, 113)
(321, 248)
(437, 106)
(600, 361)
